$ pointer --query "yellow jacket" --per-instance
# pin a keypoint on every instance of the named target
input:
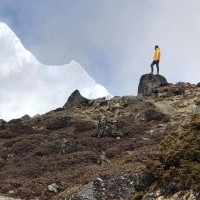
(156, 54)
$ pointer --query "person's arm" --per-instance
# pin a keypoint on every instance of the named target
(159, 55)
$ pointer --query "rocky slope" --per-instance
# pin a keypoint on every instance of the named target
(132, 147)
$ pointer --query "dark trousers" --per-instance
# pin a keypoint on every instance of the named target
(155, 62)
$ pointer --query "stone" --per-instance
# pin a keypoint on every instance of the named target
(76, 100)
(108, 128)
(25, 117)
(116, 188)
(126, 100)
(53, 187)
(149, 82)
(36, 116)
(2, 122)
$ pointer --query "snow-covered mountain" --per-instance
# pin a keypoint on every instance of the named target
(29, 87)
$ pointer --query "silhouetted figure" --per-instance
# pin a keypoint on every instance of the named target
(156, 59)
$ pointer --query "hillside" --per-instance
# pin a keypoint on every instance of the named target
(132, 147)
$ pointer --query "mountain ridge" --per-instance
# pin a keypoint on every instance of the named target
(143, 147)
(130, 148)
(31, 87)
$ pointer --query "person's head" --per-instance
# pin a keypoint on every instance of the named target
(156, 47)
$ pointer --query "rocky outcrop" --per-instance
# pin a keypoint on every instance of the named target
(123, 148)
(116, 188)
(149, 82)
(76, 100)
(109, 128)
(2, 122)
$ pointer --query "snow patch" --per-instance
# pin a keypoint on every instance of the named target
(29, 87)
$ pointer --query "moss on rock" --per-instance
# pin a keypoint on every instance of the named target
(176, 165)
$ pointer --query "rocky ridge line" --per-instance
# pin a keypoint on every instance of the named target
(98, 149)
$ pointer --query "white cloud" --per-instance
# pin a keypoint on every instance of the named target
(114, 39)
(29, 87)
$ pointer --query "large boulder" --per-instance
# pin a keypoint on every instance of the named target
(76, 100)
(108, 127)
(149, 82)
(116, 188)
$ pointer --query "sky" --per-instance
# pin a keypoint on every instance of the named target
(112, 39)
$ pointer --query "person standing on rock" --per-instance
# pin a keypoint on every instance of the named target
(156, 59)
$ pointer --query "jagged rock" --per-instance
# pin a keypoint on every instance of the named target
(116, 188)
(36, 116)
(76, 100)
(198, 84)
(149, 82)
(25, 117)
(2, 122)
(108, 128)
(69, 146)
